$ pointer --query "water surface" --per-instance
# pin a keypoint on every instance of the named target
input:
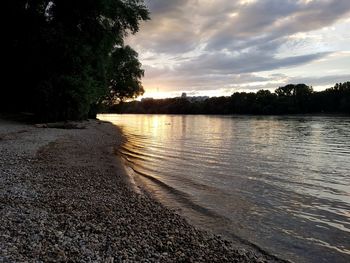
(281, 183)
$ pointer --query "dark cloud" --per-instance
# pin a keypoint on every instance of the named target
(206, 43)
(223, 63)
(273, 20)
(161, 7)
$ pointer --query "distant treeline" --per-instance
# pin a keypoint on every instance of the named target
(290, 99)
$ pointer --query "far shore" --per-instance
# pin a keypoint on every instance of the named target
(241, 115)
(65, 196)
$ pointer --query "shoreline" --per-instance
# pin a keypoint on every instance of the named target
(140, 184)
(66, 196)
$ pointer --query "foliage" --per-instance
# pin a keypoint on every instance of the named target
(60, 54)
(290, 99)
(125, 75)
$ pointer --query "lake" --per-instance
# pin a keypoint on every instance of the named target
(280, 183)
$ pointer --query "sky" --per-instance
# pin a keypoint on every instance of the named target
(218, 47)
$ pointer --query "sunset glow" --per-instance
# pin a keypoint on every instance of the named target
(215, 48)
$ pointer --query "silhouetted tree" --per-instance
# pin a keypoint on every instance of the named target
(290, 99)
(302, 97)
(59, 53)
(124, 76)
(265, 101)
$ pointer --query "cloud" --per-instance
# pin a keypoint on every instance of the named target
(244, 63)
(270, 20)
(206, 43)
(161, 7)
(322, 80)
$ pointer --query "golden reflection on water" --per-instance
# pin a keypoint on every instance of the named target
(275, 181)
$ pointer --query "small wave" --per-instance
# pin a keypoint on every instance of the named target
(182, 197)
(269, 173)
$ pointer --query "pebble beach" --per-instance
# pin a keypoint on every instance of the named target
(65, 197)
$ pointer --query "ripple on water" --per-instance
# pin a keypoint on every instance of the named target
(281, 182)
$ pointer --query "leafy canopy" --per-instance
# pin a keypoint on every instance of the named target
(61, 55)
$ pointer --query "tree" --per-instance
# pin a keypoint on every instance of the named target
(265, 101)
(294, 98)
(286, 91)
(124, 76)
(60, 52)
(302, 96)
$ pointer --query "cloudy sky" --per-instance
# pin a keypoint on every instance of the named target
(217, 47)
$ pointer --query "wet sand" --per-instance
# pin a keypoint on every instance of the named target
(65, 196)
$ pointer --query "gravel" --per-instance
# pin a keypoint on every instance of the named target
(65, 196)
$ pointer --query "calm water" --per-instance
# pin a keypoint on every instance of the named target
(281, 183)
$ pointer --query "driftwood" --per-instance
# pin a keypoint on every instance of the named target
(61, 125)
